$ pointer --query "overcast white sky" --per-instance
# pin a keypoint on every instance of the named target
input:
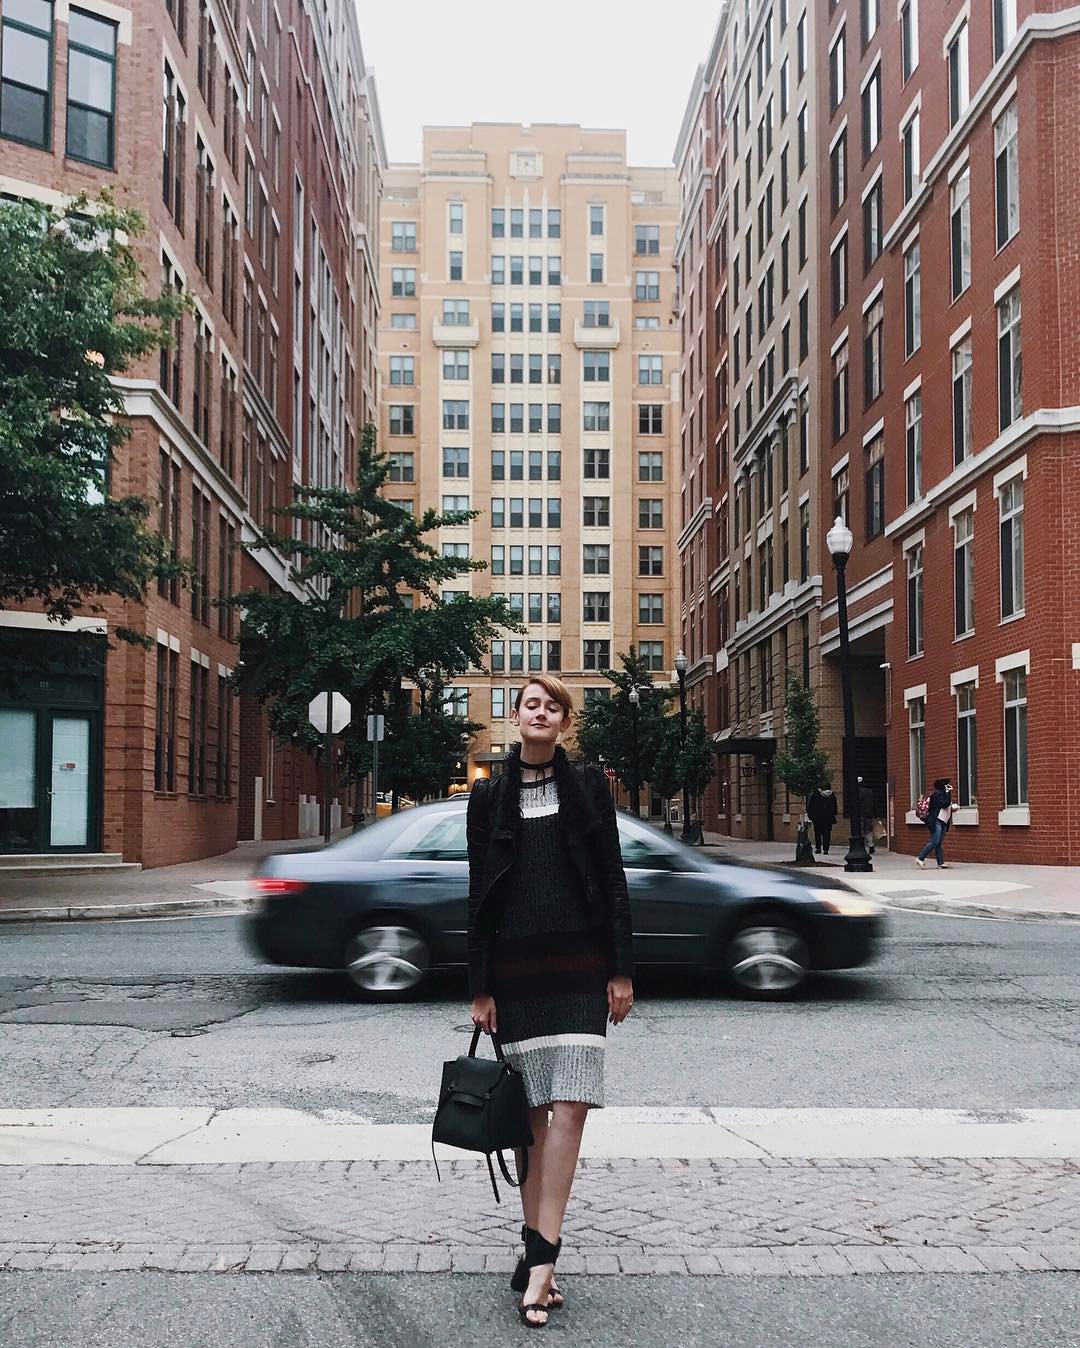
(608, 63)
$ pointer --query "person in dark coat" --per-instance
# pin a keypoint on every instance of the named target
(821, 807)
(866, 814)
(937, 821)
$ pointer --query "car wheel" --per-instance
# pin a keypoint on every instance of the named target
(767, 958)
(384, 963)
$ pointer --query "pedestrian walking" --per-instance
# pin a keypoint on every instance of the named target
(821, 807)
(550, 956)
(866, 815)
(938, 819)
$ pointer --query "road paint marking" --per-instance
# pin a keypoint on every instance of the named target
(176, 1136)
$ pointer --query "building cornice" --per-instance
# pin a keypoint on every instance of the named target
(875, 581)
(694, 523)
(782, 609)
(1043, 421)
(1035, 28)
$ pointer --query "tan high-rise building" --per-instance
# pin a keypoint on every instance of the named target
(529, 357)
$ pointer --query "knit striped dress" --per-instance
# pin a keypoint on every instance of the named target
(548, 971)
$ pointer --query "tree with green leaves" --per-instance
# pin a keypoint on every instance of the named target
(697, 761)
(74, 316)
(346, 624)
(800, 764)
(666, 780)
(605, 724)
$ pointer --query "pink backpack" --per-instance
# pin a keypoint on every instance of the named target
(922, 809)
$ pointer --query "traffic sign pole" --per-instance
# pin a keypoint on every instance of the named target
(328, 776)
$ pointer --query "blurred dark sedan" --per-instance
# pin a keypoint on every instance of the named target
(388, 905)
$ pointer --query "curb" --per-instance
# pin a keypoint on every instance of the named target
(965, 908)
(101, 912)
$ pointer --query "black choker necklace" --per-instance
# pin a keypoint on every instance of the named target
(538, 767)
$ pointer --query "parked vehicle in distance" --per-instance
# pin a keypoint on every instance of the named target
(389, 904)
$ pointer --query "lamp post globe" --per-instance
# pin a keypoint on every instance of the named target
(839, 541)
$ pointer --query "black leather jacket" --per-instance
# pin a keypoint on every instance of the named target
(587, 817)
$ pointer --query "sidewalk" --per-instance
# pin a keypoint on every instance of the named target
(968, 889)
(211, 885)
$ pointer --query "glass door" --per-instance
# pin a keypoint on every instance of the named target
(20, 812)
(70, 790)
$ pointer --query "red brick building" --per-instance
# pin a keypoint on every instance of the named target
(950, 407)
(249, 137)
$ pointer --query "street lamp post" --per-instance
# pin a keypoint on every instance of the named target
(635, 792)
(680, 670)
(839, 540)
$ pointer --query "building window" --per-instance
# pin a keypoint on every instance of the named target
(596, 220)
(402, 369)
(651, 654)
(400, 467)
(964, 573)
(650, 369)
(455, 365)
(455, 313)
(873, 225)
(456, 220)
(455, 414)
(646, 285)
(874, 350)
(596, 606)
(650, 608)
(913, 445)
(915, 600)
(596, 367)
(198, 717)
(455, 461)
(223, 755)
(840, 391)
(91, 95)
(841, 490)
(1011, 536)
(909, 137)
(912, 300)
(595, 511)
(957, 58)
(909, 39)
(1016, 749)
(169, 521)
(596, 559)
(596, 416)
(916, 749)
(1004, 25)
(650, 419)
(837, 70)
(650, 467)
(498, 698)
(597, 314)
(405, 322)
(961, 400)
(871, 113)
(650, 513)
(839, 273)
(596, 655)
(875, 487)
(403, 236)
(554, 224)
(1007, 175)
(1010, 401)
(172, 158)
(646, 240)
(168, 678)
(456, 265)
(804, 542)
(802, 135)
(838, 172)
(650, 561)
(596, 463)
(596, 268)
(967, 791)
(960, 233)
(26, 31)
(403, 282)
(401, 419)
(498, 270)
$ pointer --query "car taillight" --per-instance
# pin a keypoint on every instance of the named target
(273, 886)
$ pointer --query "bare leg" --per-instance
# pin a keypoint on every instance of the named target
(561, 1147)
(530, 1190)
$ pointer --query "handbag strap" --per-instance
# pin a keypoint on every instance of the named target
(514, 1184)
(494, 1043)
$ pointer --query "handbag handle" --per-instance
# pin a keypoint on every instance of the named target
(494, 1043)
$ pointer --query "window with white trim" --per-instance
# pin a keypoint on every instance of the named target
(1004, 25)
(1011, 544)
(1014, 683)
(964, 572)
(960, 233)
(916, 709)
(909, 137)
(912, 299)
(914, 560)
(913, 445)
(1007, 175)
(956, 58)
(909, 39)
(967, 791)
(1010, 368)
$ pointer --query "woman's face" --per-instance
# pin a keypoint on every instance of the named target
(540, 718)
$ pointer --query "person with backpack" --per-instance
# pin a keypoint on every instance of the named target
(935, 810)
(821, 808)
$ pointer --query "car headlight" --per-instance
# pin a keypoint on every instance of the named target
(845, 903)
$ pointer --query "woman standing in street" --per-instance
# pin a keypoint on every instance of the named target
(938, 819)
(550, 958)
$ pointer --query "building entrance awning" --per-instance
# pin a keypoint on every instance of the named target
(757, 746)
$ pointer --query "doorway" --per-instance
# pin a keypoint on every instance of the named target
(49, 775)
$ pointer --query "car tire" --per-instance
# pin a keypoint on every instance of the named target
(766, 957)
(386, 961)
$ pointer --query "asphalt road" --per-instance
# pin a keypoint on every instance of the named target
(963, 1013)
(429, 1311)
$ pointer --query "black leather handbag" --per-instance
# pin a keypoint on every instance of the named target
(483, 1107)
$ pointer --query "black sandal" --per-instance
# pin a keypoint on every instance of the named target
(538, 1251)
(520, 1279)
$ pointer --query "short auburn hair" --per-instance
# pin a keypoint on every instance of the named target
(555, 688)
